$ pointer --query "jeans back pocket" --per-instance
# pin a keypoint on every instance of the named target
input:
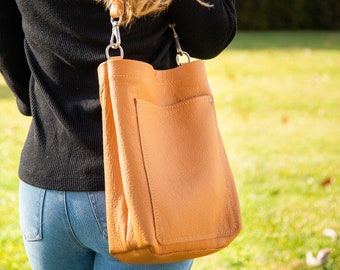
(31, 202)
(97, 200)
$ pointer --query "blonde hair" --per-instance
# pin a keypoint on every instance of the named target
(139, 8)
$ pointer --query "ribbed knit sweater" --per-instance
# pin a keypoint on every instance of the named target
(49, 54)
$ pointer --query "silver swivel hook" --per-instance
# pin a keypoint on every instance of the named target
(180, 52)
(115, 41)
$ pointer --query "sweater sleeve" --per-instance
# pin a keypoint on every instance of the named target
(13, 64)
(204, 32)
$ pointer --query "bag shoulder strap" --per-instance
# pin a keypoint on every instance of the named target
(117, 12)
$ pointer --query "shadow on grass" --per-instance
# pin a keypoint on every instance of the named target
(267, 40)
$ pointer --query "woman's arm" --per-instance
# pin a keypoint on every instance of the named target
(13, 64)
(204, 32)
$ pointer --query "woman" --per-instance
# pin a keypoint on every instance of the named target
(49, 53)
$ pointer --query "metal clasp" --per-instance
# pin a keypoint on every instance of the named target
(115, 41)
(180, 52)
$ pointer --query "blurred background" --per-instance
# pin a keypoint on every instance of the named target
(288, 15)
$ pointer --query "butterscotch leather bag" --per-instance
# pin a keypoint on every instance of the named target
(170, 192)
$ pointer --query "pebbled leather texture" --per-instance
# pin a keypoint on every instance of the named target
(170, 192)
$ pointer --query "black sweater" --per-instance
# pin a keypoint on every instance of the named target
(49, 53)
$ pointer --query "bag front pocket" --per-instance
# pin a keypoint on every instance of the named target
(185, 165)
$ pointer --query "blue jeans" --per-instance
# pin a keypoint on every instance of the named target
(67, 231)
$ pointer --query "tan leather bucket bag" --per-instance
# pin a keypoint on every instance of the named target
(170, 192)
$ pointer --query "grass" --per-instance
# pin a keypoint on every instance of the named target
(278, 103)
(13, 128)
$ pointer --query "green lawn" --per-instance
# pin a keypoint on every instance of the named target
(278, 102)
